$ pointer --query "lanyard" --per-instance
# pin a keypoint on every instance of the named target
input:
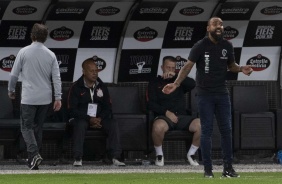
(92, 93)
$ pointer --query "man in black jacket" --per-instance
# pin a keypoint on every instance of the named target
(89, 106)
(170, 111)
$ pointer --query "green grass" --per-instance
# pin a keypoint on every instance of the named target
(136, 178)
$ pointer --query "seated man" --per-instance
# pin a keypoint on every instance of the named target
(89, 106)
(170, 110)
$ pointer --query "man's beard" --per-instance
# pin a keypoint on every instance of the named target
(216, 37)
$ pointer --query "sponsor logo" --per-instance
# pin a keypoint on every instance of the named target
(264, 32)
(183, 33)
(100, 33)
(145, 35)
(24, 10)
(223, 52)
(63, 60)
(61, 34)
(230, 33)
(101, 64)
(191, 11)
(207, 62)
(107, 11)
(273, 10)
(259, 62)
(17, 33)
(235, 10)
(179, 63)
(140, 64)
(153, 10)
(69, 10)
(7, 63)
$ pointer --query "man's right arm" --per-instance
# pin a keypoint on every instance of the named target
(14, 75)
(184, 71)
(73, 103)
(153, 104)
(152, 99)
(11, 86)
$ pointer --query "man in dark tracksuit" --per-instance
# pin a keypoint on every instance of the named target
(170, 111)
(86, 94)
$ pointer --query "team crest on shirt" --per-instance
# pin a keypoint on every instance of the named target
(99, 92)
(224, 52)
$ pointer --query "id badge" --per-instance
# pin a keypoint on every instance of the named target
(92, 110)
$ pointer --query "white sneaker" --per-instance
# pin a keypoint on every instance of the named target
(159, 160)
(116, 162)
(191, 159)
(77, 163)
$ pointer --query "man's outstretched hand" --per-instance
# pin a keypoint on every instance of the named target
(169, 88)
(247, 70)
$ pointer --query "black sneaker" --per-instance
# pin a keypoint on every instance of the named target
(229, 172)
(35, 162)
(208, 173)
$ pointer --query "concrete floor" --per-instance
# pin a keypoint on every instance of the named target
(96, 167)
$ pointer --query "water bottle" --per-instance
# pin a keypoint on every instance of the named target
(279, 156)
(146, 162)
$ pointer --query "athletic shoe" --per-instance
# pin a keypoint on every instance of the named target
(77, 162)
(116, 162)
(229, 172)
(191, 159)
(35, 162)
(159, 160)
(208, 173)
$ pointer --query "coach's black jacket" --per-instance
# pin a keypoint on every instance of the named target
(79, 98)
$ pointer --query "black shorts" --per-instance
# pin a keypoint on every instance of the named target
(183, 123)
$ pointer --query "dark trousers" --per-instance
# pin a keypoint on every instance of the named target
(109, 126)
(220, 106)
(32, 120)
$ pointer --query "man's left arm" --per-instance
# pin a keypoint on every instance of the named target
(235, 68)
(14, 75)
(106, 105)
(56, 78)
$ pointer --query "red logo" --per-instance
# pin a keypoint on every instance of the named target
(7, 63)
(146, 34)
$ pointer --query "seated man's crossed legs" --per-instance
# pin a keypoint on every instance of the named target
(163, 124)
